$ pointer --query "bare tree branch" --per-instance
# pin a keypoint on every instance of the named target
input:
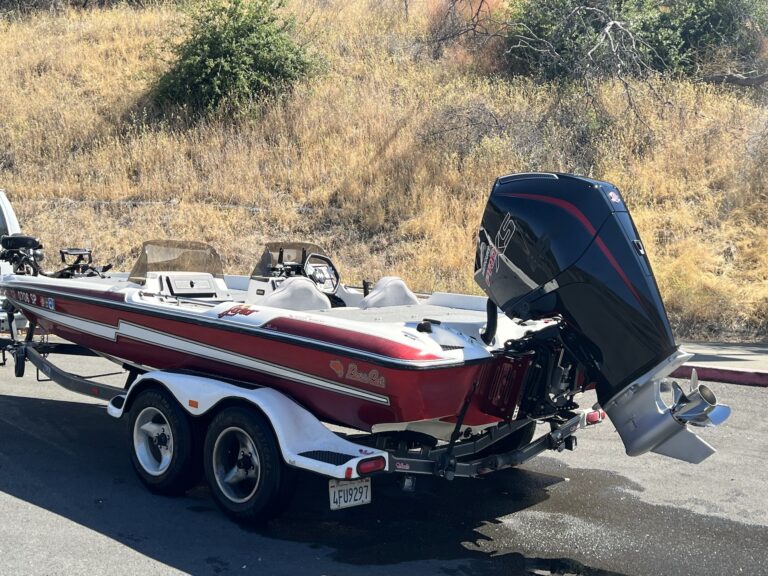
(737, 79)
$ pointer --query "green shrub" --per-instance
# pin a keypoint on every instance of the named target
(236, 52)
(574, 38)
(688, 34)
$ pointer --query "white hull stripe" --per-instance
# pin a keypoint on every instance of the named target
(167, 341)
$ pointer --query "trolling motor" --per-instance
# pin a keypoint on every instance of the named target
(24, 253)
(81, 265)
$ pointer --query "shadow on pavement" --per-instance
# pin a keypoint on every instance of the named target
(70, 459)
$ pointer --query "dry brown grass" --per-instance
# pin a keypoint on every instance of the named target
(386, 157)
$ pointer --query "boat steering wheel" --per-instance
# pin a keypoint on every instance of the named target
(320, 269)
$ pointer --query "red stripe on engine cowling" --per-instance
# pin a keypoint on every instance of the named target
(579, 215)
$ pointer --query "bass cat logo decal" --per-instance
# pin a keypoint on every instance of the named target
(352, 372)
(337, 367)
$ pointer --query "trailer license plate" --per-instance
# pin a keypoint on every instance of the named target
(348, 493)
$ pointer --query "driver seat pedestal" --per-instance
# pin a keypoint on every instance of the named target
(296, 293)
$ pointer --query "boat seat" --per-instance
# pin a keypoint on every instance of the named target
(389, 291)
(297, 293)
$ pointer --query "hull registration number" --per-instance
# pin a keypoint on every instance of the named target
(348, 493)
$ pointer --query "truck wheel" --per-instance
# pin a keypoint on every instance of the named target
(160, 437)
(244, 466)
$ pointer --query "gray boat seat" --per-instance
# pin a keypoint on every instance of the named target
(389, 291)
(297, 293)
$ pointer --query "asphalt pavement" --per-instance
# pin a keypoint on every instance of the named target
(70, 504)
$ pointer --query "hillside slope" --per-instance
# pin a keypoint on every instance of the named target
(386, 157)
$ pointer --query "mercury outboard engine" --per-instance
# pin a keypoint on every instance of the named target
(562, 245)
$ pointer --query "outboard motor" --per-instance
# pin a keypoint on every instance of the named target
(563, 245)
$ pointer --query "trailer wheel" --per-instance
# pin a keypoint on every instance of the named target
(19, 362)
(244, 466)
(161, 438)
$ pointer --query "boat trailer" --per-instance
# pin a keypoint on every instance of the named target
(349, 459)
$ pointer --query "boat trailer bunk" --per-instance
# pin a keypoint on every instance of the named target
(349, 459)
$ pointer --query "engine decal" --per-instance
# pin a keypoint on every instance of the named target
(492, 251)
(491, 264)
(504, 235)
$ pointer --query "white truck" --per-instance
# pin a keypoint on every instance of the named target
(9, 224)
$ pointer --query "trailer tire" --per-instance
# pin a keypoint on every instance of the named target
(244, 466)
(161, 438)
(19, 362)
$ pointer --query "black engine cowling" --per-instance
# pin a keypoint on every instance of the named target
(556, 244)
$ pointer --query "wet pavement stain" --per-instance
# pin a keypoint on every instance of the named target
(441, 521)
(547, 520)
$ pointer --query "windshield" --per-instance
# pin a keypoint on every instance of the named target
(176, 256)
(293, 252)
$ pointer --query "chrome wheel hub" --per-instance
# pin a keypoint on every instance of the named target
(153, 441)
(236, 464)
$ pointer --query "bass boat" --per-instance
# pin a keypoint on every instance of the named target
(446, 384)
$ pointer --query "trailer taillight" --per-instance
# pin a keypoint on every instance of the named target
(371, 465)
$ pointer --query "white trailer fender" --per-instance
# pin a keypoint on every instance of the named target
(304, 441)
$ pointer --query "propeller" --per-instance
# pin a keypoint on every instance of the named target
(698, 406)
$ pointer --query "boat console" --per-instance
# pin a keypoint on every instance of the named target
(187, 285)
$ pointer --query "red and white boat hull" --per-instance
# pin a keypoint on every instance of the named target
(353, 377)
